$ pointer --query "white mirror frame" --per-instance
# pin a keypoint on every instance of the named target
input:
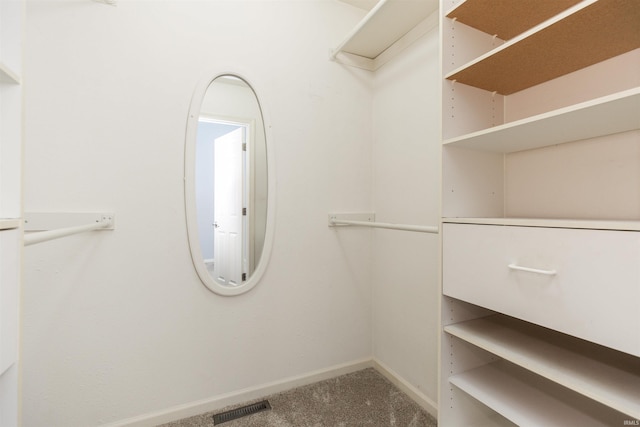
(189, 189)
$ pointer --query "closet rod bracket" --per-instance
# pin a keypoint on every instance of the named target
(55, 225)
(335, 219)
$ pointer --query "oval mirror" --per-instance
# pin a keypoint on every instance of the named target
(227, 186)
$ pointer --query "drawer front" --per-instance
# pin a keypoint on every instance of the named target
(584, 283)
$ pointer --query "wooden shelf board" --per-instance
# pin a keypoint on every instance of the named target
(604, 375)
(387, 22)
(507, 18)
(551, 223)
(583, 35)
(526, 401)
(9, 223)
(607, 115)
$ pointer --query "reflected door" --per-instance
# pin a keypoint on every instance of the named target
(227, 211)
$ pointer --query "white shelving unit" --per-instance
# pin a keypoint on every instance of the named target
(525, 400)
(539, 119)
(11, 37)
(526, 60)
(599, 373)
(389, 27)
(11, 16)
(607, 115)
(550, 223)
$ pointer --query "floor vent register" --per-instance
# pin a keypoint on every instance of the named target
(244, 411)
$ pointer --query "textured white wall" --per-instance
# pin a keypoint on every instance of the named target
(406, 177)
(117, 324)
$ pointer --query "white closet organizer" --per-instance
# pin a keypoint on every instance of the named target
(11, 36)
(541, 212)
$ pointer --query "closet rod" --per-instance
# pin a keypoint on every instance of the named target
(43, 236)
(404, 227)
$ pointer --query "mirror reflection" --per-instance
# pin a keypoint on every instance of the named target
(230, 181)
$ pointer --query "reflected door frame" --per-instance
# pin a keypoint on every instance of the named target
(228, 205)
(249, 190)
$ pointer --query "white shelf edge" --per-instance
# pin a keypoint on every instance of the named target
(510, 395)
(422, 28)
(358, 28)
(356, 61)
(583, 373)
(9, 223)
(559, 17)
(381, 10)
(7, 75)
(550, 223)
(392, 51)
(602, 116)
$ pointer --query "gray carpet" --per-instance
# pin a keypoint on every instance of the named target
(363, 398)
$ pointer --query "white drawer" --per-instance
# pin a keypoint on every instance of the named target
(588, 284)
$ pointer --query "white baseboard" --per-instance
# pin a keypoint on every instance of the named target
(218, 402)
(419, 397)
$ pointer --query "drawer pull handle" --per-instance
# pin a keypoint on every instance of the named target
(533, 270)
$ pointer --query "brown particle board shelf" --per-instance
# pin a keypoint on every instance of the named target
(588, 33)
(507, 18)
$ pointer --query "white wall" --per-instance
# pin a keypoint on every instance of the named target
(406, 175)
(116, 324)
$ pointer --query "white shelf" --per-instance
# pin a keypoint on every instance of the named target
(585, 34)
(9, 224)
(387, 23)
(9, 298)
(12, 14)
(551, 223)
(7, 75)
(527, 401)
(603, 375)
(607, 115)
